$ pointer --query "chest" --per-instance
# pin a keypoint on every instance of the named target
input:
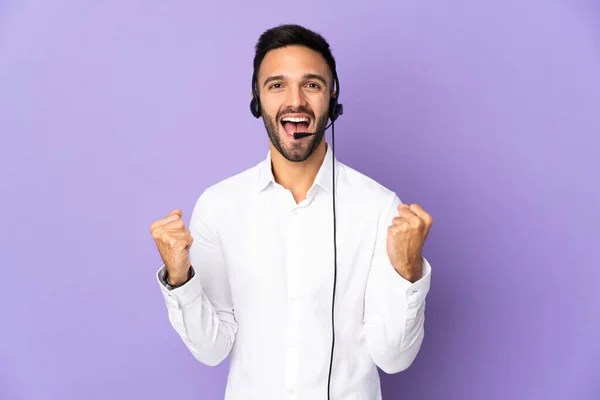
(276, 250)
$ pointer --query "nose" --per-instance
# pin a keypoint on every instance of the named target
(295, 97)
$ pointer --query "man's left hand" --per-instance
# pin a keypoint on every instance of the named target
(405, 240)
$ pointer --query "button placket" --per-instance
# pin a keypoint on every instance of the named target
(293, 269)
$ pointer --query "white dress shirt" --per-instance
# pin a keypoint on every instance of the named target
(262, 287)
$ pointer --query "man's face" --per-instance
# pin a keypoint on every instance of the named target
(294, 83)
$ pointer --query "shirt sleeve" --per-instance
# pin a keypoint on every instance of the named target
(201, 310)
(394, 307)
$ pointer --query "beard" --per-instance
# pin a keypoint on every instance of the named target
(302, 149)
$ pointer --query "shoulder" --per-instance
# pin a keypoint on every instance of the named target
(365, 191)
(232, 188)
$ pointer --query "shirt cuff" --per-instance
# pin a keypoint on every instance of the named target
(183, 295)
(406, 291)
(162, 277)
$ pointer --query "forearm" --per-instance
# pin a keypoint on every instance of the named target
(395, 319)
(394, 341)
(208, 334)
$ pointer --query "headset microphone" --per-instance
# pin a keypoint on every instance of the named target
(300, 135)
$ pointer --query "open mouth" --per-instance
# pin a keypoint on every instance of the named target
(295, 124)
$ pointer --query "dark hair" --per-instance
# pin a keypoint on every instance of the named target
(290, 35)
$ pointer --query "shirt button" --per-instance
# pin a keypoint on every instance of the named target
(293, 298)
(295, 211)
(291, 390)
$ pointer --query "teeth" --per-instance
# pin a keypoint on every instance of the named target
(301, 119)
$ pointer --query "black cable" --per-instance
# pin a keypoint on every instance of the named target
(334, 259)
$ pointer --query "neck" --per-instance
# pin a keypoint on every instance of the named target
(297, 177)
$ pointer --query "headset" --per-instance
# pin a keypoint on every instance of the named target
(335, 110)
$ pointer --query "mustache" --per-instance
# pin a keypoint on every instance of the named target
(299, 110)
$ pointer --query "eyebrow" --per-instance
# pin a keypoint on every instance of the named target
(305, 77)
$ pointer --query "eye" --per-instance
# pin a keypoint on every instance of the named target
(313, 85)
(275, 86)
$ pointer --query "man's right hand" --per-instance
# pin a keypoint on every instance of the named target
(173, 241)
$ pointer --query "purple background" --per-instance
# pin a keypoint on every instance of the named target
(485, 113)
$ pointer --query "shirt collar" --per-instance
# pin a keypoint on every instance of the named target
(323, 178)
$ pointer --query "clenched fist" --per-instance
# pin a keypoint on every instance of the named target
(173, 241)
(405, 240)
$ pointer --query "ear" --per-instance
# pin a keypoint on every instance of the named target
(334, 94)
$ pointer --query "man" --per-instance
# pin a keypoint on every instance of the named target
(253, 276)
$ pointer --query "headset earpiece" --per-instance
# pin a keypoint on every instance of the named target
(335, 109)
(255, 102)
(255, 107)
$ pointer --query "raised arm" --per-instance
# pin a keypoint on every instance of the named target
(194, 282)
(398, 282)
